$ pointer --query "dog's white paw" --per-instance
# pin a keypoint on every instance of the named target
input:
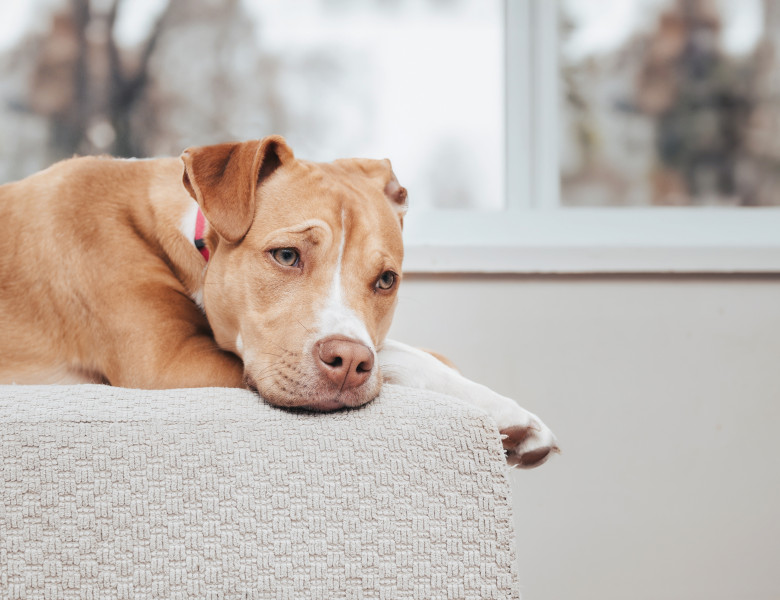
(527, 441)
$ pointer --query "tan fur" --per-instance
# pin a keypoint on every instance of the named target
(97, 278)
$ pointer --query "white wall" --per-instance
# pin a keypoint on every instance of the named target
(665, 396)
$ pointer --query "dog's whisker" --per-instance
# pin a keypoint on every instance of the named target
(258, 380)
(274, 367)
(290, 353)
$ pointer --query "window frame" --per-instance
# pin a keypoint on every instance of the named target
(535, 235)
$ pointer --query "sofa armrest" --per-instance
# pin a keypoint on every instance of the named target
(211, 493)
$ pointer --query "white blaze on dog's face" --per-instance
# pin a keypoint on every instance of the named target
(304, 269)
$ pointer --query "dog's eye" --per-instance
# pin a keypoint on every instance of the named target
(386, 280)
(287, 257)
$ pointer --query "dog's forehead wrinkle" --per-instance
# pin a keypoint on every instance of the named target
(303, 227)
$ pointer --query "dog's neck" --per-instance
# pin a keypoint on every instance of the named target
(175, 228)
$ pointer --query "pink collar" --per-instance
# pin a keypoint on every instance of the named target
(200, 226)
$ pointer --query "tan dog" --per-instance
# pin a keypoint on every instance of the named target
(102, 281)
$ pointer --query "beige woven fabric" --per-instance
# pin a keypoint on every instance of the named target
(212, 494)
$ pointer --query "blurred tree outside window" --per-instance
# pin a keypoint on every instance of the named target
(417, 81)
(662, 102)
(670, 103)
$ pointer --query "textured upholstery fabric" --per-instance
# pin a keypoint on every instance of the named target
(116, 493)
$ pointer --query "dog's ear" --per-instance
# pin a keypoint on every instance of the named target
(223, 179)
(381, 173)
(396, 193)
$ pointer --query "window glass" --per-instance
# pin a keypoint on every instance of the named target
(418, 81)
(670, 103)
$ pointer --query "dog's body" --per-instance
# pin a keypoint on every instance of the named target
(101, 281)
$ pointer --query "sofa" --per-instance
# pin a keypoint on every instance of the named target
(112, 493)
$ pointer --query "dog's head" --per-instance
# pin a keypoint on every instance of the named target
(304, 269)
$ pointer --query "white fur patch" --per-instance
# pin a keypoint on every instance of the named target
(197, 297)
(239, 346)
(187, 223)
(404, 365)
(336, 317)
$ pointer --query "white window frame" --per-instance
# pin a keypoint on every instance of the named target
(535, 235)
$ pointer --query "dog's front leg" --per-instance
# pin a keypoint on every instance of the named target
(180, 362)
(528, 442)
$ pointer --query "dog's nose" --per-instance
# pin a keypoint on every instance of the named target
(345, 362)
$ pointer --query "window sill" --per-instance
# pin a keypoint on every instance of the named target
(625, 240)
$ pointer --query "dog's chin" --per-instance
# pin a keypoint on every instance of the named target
(320, 397)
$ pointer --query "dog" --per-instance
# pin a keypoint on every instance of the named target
(234, 265)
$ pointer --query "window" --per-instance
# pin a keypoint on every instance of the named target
(669, 103)
(533, 135)
(598, 182)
